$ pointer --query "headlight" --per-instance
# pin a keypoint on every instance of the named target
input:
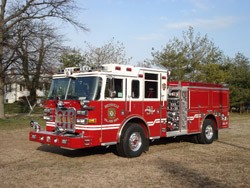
(82, 121)
(82, 112)
(47, 118)
(47, 110)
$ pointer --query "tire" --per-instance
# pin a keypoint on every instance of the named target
(207, 134)
(133, 141)
(195, 139)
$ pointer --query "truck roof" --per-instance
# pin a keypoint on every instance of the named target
(108, 69)
(196, 84)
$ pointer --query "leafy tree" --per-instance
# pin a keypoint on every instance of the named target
(146, 63)
(14, 12)
(212, 73)
(191, 58)
(239, 81)
(196, 58)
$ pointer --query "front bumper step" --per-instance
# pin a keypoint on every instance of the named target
(61, 140)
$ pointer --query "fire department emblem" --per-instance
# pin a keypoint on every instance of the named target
(111, 113)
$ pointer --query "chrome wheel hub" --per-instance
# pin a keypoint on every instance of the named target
(135, 141)
(209, 132)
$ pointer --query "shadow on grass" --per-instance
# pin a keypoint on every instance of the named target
(190, 176)
(78, 152)
(101, 150)
(234, 145)
(178, 139)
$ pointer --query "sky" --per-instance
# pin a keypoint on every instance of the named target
(145, 24)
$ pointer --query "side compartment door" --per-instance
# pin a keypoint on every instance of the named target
(225, 109)
(220, 103)
(198, 105)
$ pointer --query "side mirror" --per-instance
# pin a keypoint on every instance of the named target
(169, 72)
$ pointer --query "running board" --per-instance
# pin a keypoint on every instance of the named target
(176, 133)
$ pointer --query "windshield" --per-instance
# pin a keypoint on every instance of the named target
(84, 88)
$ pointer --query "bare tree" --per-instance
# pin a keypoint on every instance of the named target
(14, 12)
(72, 58)
(110, 52)
(38, 50)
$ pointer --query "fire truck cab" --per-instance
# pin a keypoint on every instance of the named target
(128, 106)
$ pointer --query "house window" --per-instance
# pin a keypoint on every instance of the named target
(8, 87)
(21, 87)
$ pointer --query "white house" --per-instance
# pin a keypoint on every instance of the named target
(14, 89)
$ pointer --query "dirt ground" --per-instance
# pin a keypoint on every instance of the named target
(168, 163)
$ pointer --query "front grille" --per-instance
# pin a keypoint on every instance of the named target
(65, 119)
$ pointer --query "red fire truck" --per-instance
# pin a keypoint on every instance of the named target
(128, 106)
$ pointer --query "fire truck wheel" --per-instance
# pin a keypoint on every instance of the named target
(207, 134)
(133, 141)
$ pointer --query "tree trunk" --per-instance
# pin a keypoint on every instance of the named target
(1, 77)
(1, 73)
(3, 4)
(1, 97)
(32, 97)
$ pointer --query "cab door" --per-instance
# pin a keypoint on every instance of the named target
(114, 108)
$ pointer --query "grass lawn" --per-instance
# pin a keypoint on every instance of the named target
(19, 122)
(223, 164)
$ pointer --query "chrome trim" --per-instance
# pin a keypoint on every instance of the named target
(155, 137)
(108, 143)
(176, 133)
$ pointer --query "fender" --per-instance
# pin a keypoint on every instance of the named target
(212, 117)
(135, 119)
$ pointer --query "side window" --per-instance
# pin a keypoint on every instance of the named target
(114, 88)
(99, 87)
(118, 88)
(135, 91)
(108, 88)
(151, 85)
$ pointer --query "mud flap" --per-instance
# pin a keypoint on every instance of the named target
(216, 135)
(146, 145)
